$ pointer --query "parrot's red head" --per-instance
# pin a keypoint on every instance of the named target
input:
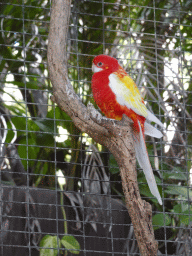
(104, 62)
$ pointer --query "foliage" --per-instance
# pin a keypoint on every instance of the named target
(68, 241)
(52, 244)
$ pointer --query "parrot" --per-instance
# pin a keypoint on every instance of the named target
(115, 93)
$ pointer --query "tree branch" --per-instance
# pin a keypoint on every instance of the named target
(115, 135)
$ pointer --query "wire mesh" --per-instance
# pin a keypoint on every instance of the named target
(61, 192)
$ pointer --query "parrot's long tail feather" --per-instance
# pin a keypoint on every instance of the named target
(143, 159)
(152, 131)
(153, 118)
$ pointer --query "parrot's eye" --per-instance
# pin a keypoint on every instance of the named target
(100, 64)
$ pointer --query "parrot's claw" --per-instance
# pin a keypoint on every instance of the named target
(94, 113)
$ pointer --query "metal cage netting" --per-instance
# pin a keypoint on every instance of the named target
(61, 192)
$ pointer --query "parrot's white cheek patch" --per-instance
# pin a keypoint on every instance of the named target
(95, 69)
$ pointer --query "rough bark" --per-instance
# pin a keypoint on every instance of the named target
(115, 135)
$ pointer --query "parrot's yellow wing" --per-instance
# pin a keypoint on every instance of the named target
(127, 93)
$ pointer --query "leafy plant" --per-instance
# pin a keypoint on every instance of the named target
(54, 243)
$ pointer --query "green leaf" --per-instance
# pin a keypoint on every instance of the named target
(27, 151)
(144, 190)
(57, 113)
(185, 214)
(161, 220)
(179, 190)
(46, 140)
(29, 85)
(70, 243)
(16, 109)
(176, 174)
(186, 217)
(177, 208)
(45, 125)
(49, 242)
(32, 126)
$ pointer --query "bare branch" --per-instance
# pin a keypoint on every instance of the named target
(115, 135)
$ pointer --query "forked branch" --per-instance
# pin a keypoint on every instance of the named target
(115, 135)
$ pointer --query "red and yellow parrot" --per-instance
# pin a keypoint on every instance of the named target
(116, 94)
